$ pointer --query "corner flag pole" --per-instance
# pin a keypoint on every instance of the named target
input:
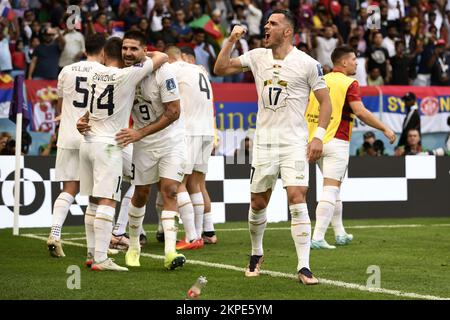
(17, 174)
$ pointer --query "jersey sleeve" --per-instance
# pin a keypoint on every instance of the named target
(61, 78)
(247, 60)
(315, 76)
(167, 83)
(353, 92)
(137, 72)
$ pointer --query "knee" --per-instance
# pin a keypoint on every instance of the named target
(297, 198)
(258, 203)
(140, 196)
(169, 192)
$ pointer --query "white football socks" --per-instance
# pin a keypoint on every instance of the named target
(301, 233)
(89, 218)
(324, 211)
(257, 222)
(159, 208)
(336, 221)
(170, 231)
(122, 220)
(208, 222)
(60, 209)
(187, 215)
(103, 225)
(199, 210)
(135, 218)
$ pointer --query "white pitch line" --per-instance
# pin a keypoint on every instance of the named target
(335, 283)
(375, 226)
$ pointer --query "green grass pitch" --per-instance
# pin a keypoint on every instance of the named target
(413, 256)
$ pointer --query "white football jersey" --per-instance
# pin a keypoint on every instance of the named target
(73, 89)
(155, 90)
(283, 88)
(196, 98)
(111, 96)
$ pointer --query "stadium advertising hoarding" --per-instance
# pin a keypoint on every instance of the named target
(236, 105)
(413, 186)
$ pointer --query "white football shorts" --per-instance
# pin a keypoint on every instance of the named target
(67, 165)
(199, 150)
(334, 160)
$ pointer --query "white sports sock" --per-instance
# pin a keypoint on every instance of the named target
(159, 208)
(60, 209)
(336, 221)
(170, 231)
(89, 218)
(324, 211)
(122, 220)
(199, 210)
(257, 222)
(301, 233)
(136, 217)
(103, 225)
(187, 215)
(208, 223)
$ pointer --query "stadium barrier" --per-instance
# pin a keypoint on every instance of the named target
(376, 187)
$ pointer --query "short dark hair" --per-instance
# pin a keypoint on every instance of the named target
(340, 52)
(288, 15)
(113, 48)
(188, 50)
(94, 43)
(135, 35)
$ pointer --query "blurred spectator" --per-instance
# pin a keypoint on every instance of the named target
(408, 39)
(144, 27)
(29, 50)
(254, 16)
(366, 148)
(5, 54)
(74, 47)
(156, 14)
(404, 70)
(378, 57)
(344, 22)
(324, 44)
(413, 21)
(375, 78)
(440, 65)
(183, 31)
(130, 15)
(413, 144)
(412, 118)
(43, 65)
(361, 73)
(396, 10)
(9, 148)
(389, 41)
(167, 34)
(50, 148)
(238, 16)
(18, 58)
(204, 52)
(101, 24)
(4, 138)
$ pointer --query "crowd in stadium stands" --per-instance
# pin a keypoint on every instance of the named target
(409, 48)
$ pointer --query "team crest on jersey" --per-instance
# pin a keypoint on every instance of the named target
(319, 70)
(170, 84)
(140, 65)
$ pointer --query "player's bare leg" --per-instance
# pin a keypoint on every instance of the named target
(169, 190)
(119, 239)
(257, 222)
(60, 209)
(186, 209)
(301, 231)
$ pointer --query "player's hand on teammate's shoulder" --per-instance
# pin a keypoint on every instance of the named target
(314, 151)
(237, 33)
(390, 135)
(127, 136)
(83, 126)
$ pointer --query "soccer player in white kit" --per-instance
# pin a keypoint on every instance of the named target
(284, 77)
(159, 152)
(72, 104)
(111, 95)
(198, 111)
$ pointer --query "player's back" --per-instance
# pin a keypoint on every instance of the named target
(196, 98)
(73, 88)
(111, 98)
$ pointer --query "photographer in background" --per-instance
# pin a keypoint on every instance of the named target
(366, 148)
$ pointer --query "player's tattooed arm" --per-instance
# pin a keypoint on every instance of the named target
(224, 64)
(171, 114)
